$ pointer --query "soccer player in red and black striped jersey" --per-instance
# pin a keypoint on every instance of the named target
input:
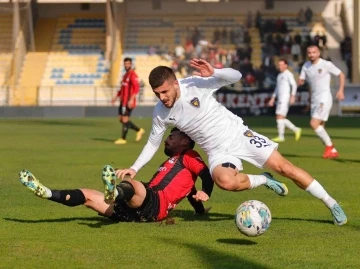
(132, 200)
(127, 94)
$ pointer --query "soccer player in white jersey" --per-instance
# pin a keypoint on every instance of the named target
(189, 105)
(317, 72)
(285, 92)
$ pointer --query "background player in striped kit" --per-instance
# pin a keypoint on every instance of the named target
(128, 92)
(285, 92)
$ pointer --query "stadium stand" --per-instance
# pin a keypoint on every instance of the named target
(5, 47)
(76, 60)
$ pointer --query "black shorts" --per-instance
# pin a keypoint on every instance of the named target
(147, 212)
(125, 111)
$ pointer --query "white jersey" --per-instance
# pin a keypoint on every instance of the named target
(285, 83)
(319, 75)
(198, 114)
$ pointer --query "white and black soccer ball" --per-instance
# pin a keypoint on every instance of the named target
(253, 218)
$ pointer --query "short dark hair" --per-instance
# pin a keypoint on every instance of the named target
(191, 142)
(159, 75)
(313, 45)
(283, 60)
(128, 59)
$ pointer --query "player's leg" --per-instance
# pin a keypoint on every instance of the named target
(297, 131)
(131, 191)
(305, 181)
(90, 198)
(319, 115)
(124, 122)
(139, 131)
(280, 121)
(227, 177)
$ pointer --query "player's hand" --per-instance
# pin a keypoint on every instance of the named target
(300, 82)
(271, 102)
(292, 99)
(125, 172)
(204, 69)
(201, 196)
(340, 95)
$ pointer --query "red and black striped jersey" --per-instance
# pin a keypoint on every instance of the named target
(129, 86)
(175, 178)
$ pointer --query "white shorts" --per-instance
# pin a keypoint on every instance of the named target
(321, 110)
(251, 147)
(282, 108)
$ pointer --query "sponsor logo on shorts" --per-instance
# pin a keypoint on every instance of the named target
(195, 102)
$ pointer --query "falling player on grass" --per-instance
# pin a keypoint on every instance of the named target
(132, 200)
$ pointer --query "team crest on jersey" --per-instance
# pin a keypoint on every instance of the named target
(249, 133)
(319, 70)
(195, 102)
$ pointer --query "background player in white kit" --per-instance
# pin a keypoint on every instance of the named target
(189, 105)
(317, 72)
(285, 92)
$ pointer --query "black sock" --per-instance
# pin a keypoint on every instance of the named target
(133, 126)
(68, 197)
(126, 190)
(125, 129)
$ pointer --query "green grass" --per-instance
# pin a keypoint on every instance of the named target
(36, 233)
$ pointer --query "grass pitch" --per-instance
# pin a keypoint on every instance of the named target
(68, 154)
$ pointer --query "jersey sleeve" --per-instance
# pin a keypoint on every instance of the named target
(196, 165)
(292, 83)
(220, 78)
(193, 162)
(333, 69)
(157, 132)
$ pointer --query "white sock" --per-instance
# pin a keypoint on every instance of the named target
(290, 125)
(281, 127)
(256, 180)
(321, 132)
(48, 192)
(319, 192)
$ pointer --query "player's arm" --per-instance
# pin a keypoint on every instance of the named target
(152, 145)
(302, 77)
(196, 165)
(211, 78)
(293, 86)
(197, 205)
(273, 96)
(117, 96)
(337, 72)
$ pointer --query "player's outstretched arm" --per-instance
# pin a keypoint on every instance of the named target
(212, 78)
(340, 94)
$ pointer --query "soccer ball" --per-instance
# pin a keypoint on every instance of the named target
(252, 218)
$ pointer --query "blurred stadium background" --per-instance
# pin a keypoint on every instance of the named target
(61, 53)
